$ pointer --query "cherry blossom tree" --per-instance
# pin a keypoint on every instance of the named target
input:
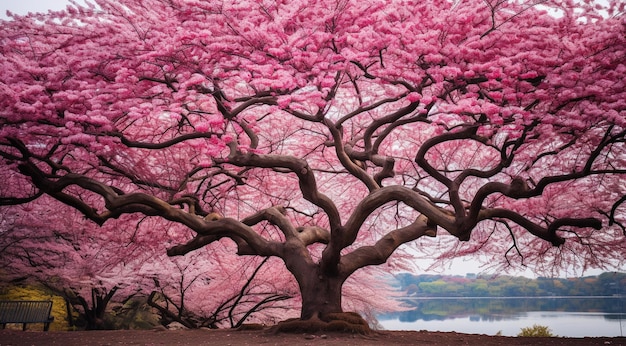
(257, 301)
(328, 133)
(94, 268)
(89, 268)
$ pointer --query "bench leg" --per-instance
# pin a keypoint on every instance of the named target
(23, 326)
(46, 326)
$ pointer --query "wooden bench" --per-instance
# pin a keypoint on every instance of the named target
(26, 311)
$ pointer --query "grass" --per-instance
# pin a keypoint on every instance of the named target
(536, 331)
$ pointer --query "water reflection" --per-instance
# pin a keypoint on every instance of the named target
(565, 316)
(497, 309)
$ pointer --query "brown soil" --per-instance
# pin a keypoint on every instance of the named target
(235, 338)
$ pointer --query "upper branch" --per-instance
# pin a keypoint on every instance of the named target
(546, 233)
(149, 145)
(342, 151)
(453, 186)
(377, 199)
(306, 177)
(20, 200)
(118, 203)
(276, 216)
(384, 248)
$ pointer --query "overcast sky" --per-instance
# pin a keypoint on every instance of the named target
(25, 6)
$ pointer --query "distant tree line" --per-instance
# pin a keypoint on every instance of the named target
(606, 284)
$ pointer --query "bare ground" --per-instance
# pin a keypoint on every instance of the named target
(236, 338)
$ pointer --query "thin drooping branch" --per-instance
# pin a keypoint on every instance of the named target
(164, 311)
(258, 306)
(132, 177)
(244, 291)
(244, 288)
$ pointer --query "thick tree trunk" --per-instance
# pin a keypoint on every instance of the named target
(321, 306)
(321, 295)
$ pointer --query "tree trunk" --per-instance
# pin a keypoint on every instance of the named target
(321, 306)
(321, 294)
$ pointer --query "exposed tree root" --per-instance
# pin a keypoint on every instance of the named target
(342, 322)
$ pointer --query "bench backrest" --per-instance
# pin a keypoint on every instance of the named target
(25, 311)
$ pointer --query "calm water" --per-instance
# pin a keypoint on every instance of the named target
(565, 316)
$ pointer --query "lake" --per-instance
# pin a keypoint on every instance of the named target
(565, 316)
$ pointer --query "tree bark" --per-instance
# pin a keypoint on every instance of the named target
(321, 294)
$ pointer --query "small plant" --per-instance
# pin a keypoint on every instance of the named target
(536, 331)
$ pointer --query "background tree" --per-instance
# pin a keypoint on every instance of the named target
(234, 296)
(328, 133)
(90, 268)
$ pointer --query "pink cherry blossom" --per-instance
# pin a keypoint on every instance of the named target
(328, 134)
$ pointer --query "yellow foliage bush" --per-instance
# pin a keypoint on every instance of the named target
(536, 331)
(59, 310)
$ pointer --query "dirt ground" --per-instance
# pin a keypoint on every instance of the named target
(236, 338)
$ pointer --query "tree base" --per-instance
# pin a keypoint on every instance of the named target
(341, 322)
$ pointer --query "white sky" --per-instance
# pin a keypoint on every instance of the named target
(25, 6)
(458, 267)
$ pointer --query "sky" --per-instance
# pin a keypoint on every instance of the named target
(457, 267)
(25, 6)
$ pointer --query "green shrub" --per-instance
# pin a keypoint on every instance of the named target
(536, 331)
